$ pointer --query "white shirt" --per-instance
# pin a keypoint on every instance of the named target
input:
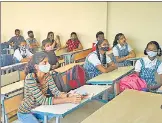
(148, 64)
(93, 58)
(115, 50)
(18, 55)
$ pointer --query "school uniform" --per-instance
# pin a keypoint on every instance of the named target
(147, 69)
(122, 51)
(90, 64)
(20, 54)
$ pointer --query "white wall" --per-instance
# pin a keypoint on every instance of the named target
(141, 22)
(85, 18)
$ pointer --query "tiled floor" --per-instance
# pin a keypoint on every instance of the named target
(80, 114)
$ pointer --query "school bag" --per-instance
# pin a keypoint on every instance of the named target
(71, 79)
(132, 81)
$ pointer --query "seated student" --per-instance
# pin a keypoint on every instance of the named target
(55, 43)
(122, 51)
(98, 62)
(147, 66)
(73, 44)
(32, 42)
(22, 54)
(99, 36)
(40, 89)
(15, 40)
(52, 58)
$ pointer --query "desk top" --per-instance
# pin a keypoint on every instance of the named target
(13, 65)
(67, 67)
(130, 107)
(106, 78)
(64, 109)
(63, 52)
(12, 87)
(138, 56)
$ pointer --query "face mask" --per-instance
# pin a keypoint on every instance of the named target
(23, 48)
(104, 48)
(152, 53)
(44, 68)
(48, 48)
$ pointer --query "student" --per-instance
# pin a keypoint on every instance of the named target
(147, 66)
(32, 42)
(15, 40)
(40, 89)
(122, 51)
(98, 62)
(22, 54)
(99, 36)
(73, 44)
(55, 44)
(52, 59)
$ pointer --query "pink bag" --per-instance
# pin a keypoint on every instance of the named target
(132, 82)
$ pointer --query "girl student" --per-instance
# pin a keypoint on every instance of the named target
(146, 67)
(98, 62)
(40, 89)
(122, 51)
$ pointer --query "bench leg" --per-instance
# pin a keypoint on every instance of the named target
(57, 119)
(45, 119)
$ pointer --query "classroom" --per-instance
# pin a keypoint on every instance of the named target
(81, 62)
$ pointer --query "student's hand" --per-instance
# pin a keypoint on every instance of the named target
(75, 99)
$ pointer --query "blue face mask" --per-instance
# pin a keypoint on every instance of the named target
(104, 48)
(44, 68)
(23, 48)
(151, 53)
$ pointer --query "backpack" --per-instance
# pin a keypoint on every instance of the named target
(132, 82)
(71, 79)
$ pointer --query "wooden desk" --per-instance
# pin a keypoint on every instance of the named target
(109, 78)
(17, 66)
(67, 67)
(68, 55)
(130, 107)
(138, 56)
(61, 110)
(11, 97)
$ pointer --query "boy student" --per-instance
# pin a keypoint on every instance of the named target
(22, 54)
(15, 40)
(32, 42)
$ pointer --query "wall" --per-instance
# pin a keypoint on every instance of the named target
(139, 21)
(85, 18)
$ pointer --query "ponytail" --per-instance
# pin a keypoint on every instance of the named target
(117, 38)
(103, 61)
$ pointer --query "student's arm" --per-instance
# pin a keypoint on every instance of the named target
(132, 54)
(43, 100)
(11, 41)
(54, 44)
(80, 47)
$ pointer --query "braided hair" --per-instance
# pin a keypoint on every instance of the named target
(103, 60)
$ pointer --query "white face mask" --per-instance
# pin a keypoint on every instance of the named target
(44, 68)
(152, 53)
